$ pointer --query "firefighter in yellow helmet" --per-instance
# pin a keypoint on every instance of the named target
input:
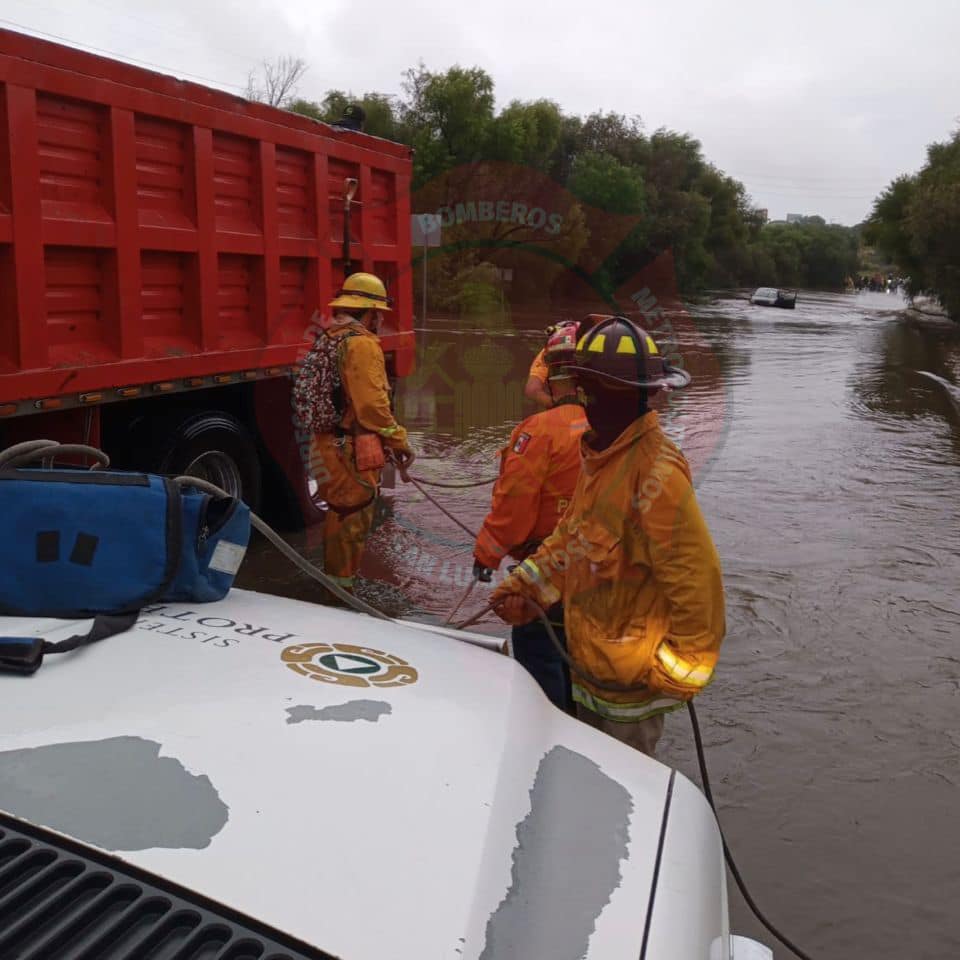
(342, 394)
(631, 560)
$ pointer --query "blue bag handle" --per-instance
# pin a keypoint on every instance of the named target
(25, 655)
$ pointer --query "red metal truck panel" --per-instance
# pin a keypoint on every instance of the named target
(296, 196)
(74, 154)
(164, 159)
(154, 230)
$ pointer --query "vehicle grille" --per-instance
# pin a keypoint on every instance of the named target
(62, 901)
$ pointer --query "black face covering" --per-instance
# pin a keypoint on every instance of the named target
(610, 411)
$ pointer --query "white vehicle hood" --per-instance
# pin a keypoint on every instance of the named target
(415, 798)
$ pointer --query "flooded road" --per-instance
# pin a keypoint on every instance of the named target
(828, 469)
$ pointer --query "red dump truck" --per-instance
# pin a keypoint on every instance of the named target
(163, 250)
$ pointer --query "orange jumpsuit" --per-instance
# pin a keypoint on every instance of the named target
(538, 472)
(639, 577)
(539, 368)
(351, 493)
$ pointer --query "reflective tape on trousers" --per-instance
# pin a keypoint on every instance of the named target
(341, 581)
(623, 712)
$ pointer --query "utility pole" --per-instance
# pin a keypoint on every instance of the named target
(425, 232)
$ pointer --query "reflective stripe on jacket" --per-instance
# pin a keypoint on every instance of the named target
(538, 473)
(637, 572)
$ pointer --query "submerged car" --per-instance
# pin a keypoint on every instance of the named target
(773, 297)
(266, 778)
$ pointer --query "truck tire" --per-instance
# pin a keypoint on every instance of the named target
(214, 446)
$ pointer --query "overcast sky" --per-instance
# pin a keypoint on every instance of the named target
(814, 105)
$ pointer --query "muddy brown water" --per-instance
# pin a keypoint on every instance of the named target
(828, 469)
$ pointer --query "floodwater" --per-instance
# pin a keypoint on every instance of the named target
(828, 468)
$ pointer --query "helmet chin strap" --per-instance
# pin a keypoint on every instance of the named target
(558, 389)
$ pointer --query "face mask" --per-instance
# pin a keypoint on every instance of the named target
(606, 403)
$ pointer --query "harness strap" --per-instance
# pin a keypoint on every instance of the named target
(343, 512)
(25, 654)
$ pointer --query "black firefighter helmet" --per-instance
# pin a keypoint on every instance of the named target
(620, 354)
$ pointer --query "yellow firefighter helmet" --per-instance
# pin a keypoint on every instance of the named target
(362, 291)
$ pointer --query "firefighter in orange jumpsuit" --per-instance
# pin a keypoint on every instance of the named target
(348, 476)
(632, 559)
(536, 388)
(538, 472)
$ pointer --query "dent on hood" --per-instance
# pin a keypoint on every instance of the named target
(118, 794)
(566, 864)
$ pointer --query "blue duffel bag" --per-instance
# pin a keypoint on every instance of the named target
(79, 543)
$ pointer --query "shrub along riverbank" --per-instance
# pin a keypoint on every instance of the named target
(916, 224)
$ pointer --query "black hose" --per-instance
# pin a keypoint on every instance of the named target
(362, 607)
(701, 759)
(574, 667)
(466, 593)
(741, 886)
(441, 507)
(455, 486)
(41, 448)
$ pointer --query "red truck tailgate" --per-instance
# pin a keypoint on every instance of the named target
(155, 230)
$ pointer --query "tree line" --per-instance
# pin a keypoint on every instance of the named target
(659, 183)
(916, 224)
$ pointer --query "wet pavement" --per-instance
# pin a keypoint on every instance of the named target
(827, 467)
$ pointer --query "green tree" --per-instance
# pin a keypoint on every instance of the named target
(809, 253)
(679, 215)
(933, 220)
(916, 224)
(887, 228)
(527, 133)
(632, 197)
(381, 119)
(601, 180)
(447, 118)
(727, 232)
(307, 108)
(615, 134)
(604, 183)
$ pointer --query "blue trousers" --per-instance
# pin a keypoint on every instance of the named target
(534, 651)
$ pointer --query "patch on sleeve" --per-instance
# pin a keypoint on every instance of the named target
(521, 443)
